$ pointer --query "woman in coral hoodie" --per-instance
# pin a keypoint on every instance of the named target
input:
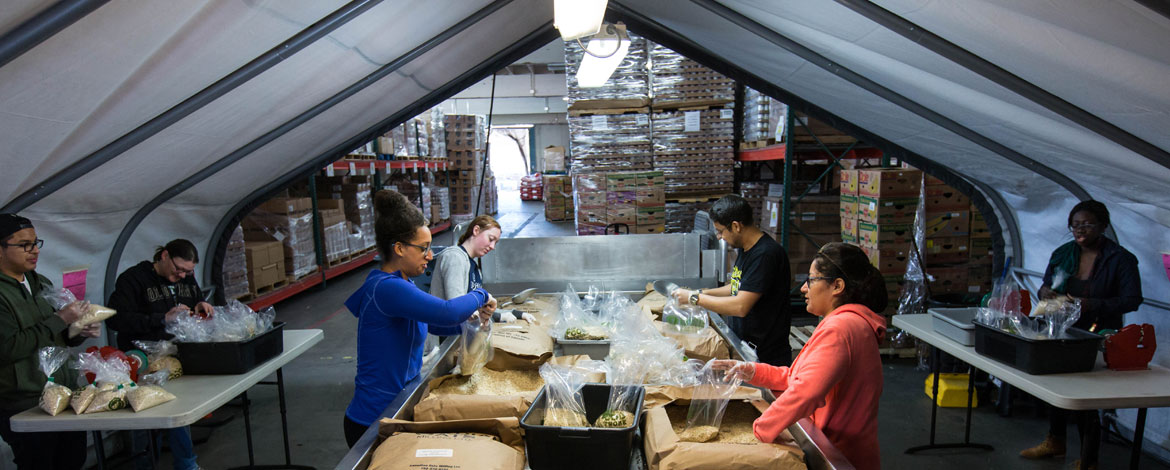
(836, 380)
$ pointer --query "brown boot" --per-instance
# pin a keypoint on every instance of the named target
(1051, 447)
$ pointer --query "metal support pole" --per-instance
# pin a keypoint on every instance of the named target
(785, 206)
(318, 243)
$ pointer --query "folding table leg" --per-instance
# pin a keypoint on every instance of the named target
(966, 444)
(284, 431)
(99, 450)
(1139, 431)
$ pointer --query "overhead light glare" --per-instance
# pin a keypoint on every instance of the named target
(603, 55)
(578, 18)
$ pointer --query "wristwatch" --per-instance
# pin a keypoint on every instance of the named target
(695, 297)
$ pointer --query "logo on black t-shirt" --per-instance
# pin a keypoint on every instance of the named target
(736, 275)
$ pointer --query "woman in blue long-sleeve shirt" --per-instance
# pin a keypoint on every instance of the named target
(394, 316)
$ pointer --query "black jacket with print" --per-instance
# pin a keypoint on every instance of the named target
(142, 299)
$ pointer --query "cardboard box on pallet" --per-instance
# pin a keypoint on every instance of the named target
(884, 235)
(293, 231)
(621, 214)
(945, 199)
(889, 182)
(979, 228)
(948, 279)
(265, 260)
(849, 230)
(979, 279)
(651, 215)
(887, 210)
(335, 240)
(933, 181)
(554, 158)
(894, 284)
(818, 214)
(649, 229)
(848, 207)
(286, 205)
(981, 252)
(947, 224)
(651, 197)
(890, 259)
(947, 250)
(650, 179)
(850, 182)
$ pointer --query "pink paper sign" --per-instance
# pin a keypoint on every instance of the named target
(1166, 263)
(75, 282)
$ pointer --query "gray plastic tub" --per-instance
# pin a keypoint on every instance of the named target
(595, 349)
(955, 323)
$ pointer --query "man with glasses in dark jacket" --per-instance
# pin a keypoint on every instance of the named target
(147, 297)
(27, 324)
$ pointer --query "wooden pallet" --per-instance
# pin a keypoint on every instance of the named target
(826, 139)
(257, 291)
(361, 156)
(245, 298)
(757, 144)
(686, 198)
(295, 279)
(612, 111)
(690, 105)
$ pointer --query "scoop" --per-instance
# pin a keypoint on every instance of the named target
(665, 287)
(520, 298)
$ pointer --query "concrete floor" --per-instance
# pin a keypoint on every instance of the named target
(319, 385)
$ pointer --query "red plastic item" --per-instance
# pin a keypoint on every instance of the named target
(1131, 348)
(109, 352)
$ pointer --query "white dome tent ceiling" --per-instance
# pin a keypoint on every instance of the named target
(168, 119)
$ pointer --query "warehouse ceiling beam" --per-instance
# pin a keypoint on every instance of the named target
(1160, 7)
(526, 45)
(892, 96)
(44, 25)
(194, 103)
(1006, 229)
(1006, 79)
(268, 137)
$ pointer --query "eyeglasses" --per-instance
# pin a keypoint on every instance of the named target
(1075, 227)
(819, 278)
(27, 246)
(424, 248)
(181, 271)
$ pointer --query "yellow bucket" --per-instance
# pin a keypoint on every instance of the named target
(952, 390)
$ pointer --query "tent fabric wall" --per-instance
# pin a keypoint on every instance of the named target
(126, 62)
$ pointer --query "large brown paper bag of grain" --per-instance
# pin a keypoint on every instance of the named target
(483, 444)
(446, 407)
(704, 345)
(653, 301)
(662, 395)
(544, 308)
(665, 451)
(520, 346)
(579, 361)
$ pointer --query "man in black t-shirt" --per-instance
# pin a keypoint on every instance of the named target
(756, 299)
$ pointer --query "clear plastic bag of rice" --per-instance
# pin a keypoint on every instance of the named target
(55, 397)
(161, 355)
(563, 403)
(708, 404)
(475, 345)
(149, 391)
(112, 376)
(91, 313)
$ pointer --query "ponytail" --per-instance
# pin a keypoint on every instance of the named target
(864, 284)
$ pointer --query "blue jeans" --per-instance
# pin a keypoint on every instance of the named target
(182, 450)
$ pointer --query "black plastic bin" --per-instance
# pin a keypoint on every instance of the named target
(231, 358)
(1039, 356)
(555, 447)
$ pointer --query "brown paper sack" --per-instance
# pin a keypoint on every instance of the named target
(446, 407)
(704, 346)
(520, 346)
(487, 444)
(662, 395)
(653, 301)
(544, 308)
(592, 375)
(664, 450)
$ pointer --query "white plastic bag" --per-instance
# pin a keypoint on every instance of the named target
(705, 414)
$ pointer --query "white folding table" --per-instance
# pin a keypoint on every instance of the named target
(1101, 388)
(196, 396)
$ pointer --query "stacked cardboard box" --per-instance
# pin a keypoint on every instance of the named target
(235, 266)
(764, 117)
(633, 199)
(554, 159)
(265, 261)
(818, 217)
(629, 81)
(979, 271)
(603, 142)
(289, 221)
(438, 133)
(948, 246)
(695, 150)
(357, 207)
(677, 79)
(754, 193)
(848, 208)
(558, 198)
(440, 204)
(335, 232)
(466, 160)
(680, 215)
(887, 202)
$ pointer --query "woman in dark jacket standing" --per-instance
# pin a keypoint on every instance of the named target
(1104, 277)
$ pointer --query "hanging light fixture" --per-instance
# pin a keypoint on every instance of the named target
(605, 52)
(578, 18)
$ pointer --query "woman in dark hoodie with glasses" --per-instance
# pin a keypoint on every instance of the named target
(1104, 277)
